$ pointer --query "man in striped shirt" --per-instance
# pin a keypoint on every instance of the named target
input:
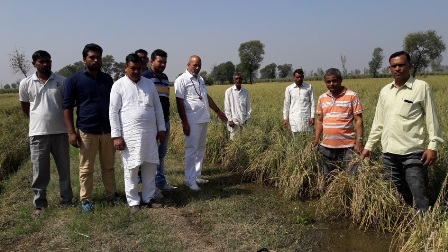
(155, 73)
(337, 109)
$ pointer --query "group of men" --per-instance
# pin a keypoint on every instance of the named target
(404, 107)
(132, 116)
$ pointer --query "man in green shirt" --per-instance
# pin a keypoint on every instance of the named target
(404, 107)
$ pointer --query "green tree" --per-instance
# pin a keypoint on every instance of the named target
(376, 62)
(19, 63)
(6, 86)
(343, 62)
(223, 72)
(423, 47)
(239, 69)
(207, 77)
(284, 71)
(118, 70)
(251, 55)
(14, 86)
(269, 71)
(110, 66)
(320, 72)
(71, 69)
(436, 64)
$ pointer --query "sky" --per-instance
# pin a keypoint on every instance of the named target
(306, 34)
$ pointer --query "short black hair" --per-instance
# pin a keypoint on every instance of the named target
(92, 47)
(299, 71)
(40, 54)
(158, 52)
(399, 53)
(333, 71)
(133, 57)
(141, 51)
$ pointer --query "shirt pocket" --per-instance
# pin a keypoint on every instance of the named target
(410, 109)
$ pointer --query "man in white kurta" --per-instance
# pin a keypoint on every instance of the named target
(136, 119)
(298, 106)
(192, 102)
(237, 106)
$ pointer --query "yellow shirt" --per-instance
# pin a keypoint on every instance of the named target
(400, 116)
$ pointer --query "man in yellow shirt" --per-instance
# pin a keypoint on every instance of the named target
(404, 107)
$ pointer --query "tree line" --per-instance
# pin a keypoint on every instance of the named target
(425, 48)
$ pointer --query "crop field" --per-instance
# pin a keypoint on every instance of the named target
(266, 154)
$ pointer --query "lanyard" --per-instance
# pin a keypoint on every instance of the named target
(194, 86)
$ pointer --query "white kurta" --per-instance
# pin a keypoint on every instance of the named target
(298, 107)
(237, 105)
(194, 93)
(136, 114)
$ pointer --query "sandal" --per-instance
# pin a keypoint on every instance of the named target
(36, 213)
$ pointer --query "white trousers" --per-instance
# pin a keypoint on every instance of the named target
(148, 183)
(194, 151)
(235, 129)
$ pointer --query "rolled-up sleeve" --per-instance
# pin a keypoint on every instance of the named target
(432, 122)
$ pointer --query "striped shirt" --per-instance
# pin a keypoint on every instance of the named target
(163, 88)
(338, 116)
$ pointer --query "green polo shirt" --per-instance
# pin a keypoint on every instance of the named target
(400, 116)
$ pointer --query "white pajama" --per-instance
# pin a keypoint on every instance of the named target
(194, 151)
(148, 183)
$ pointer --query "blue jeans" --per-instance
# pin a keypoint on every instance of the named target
(163, 147)
(337, 158)
(409, 177)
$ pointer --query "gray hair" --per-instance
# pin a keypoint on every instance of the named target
(333, 72)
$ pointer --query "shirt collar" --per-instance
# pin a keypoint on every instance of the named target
(234, 87)
(341, 94)
(409, 83)
(192, 76)
(34, 76)
(84, 70)
(301, 86)
(135, 83)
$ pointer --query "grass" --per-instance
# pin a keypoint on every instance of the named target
(231, 215)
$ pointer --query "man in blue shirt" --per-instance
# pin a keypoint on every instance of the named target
(89, 92)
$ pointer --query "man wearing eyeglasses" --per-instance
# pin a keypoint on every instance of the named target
(143, 54)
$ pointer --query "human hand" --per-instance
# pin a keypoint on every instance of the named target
(119, 143)
(186, 128)
(231, 124)
(358, 147)
(285, 123)
(160, 136)
(311, 121)
(74, 139)
(314, 143)
(429, 157)
(366, 154)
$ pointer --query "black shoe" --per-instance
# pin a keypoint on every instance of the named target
(116, 199)
(153, 204)
(67, 203)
